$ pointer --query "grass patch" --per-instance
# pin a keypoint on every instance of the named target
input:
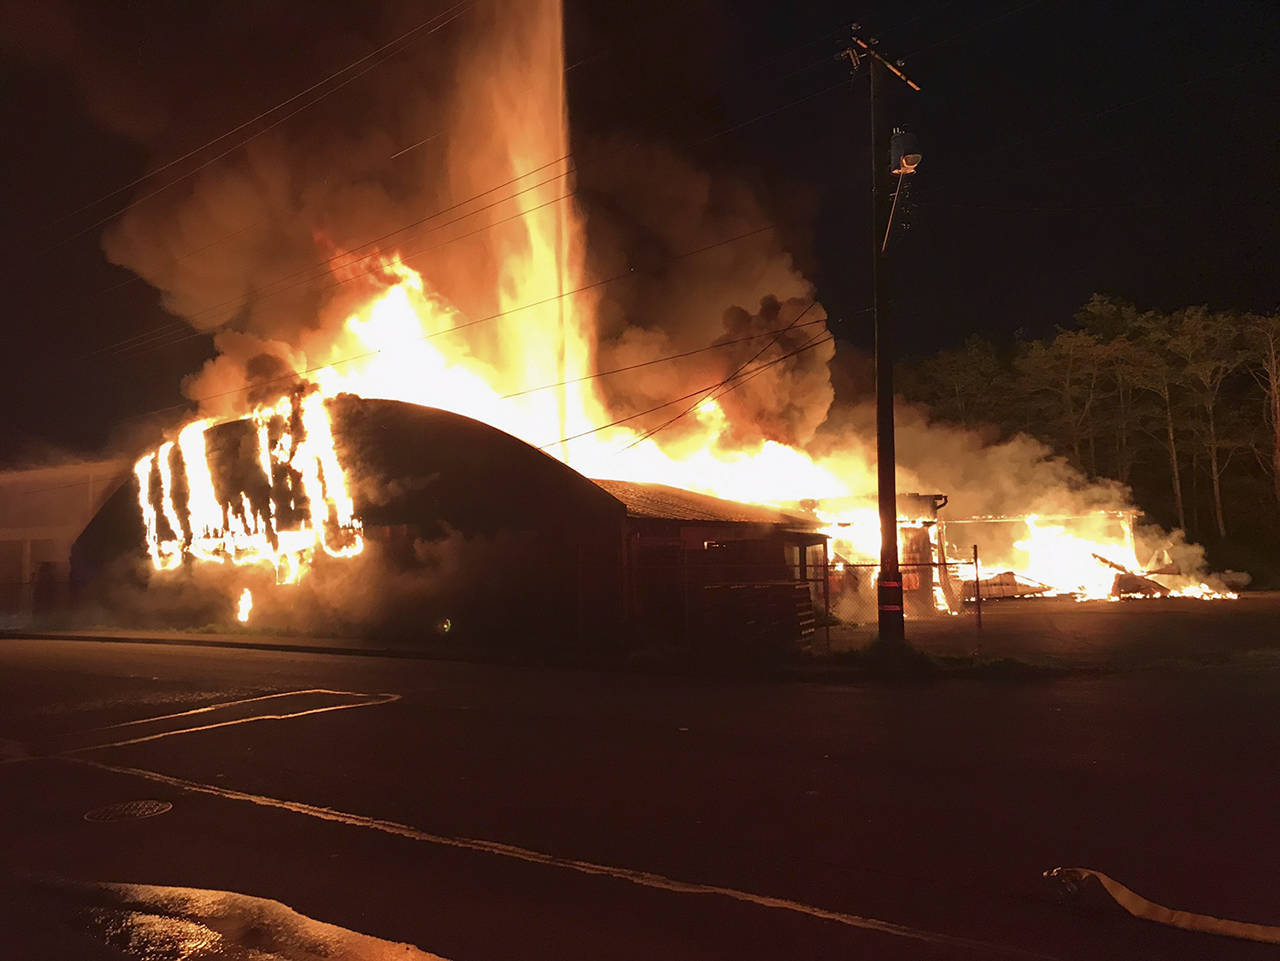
(897, 661)
(1006, 668)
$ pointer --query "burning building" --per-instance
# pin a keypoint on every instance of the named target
(720, 574)
(409, 395)
(392, 517)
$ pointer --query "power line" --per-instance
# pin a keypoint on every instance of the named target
(751, 360)
(658, 360)
(376, 268)
(270, 110)
(676, 400)
(734, 127)
(723, 389)
(135, 278)
(216, 157)
(470, 323)
(319, 269)
(413, 146)
(324, 265)
(604, 373)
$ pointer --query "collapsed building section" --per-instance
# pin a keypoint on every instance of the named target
(1089, 556)
(929, 584)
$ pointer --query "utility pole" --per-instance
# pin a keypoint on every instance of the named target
(889, 589)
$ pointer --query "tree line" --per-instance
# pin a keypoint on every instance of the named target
(1182, 406)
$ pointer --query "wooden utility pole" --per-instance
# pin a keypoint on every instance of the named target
(889, 590)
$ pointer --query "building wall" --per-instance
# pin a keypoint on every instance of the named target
(42, 512)
(737, 589)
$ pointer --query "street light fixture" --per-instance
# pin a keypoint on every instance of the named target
(904, 153)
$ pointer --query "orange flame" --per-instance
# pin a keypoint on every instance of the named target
(407, 342)
(301, 474)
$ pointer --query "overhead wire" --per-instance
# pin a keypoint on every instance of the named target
(751, 360)
(216, 157)
(722, 132)
(319, 269)
(718, 345)
(106, 348)
(630, 272)
(750, 374)
(726, 130)
(149, 338)
(135, 278)
(733, 384)
(401, 39)
(683, 397)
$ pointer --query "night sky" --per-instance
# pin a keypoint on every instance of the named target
(1130, 149)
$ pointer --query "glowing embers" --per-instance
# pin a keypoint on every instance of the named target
(244, 606)
(266, 490)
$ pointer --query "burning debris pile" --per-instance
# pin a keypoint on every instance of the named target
(1088, 557)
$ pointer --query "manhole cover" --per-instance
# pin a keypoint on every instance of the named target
(128, 811)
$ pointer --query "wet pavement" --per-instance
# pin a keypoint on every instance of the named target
(480, 812)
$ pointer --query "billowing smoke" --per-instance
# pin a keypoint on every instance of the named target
(984, 475)
(455, 153)
(981, 475)
(474, 113)
(733, 285)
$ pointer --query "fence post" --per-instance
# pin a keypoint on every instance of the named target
(826, 592)
(977, 593)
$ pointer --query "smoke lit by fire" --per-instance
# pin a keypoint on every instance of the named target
(498, 321)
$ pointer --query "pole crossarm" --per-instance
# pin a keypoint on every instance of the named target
(869, 50)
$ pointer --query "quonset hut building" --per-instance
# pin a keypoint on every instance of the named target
(468, 527)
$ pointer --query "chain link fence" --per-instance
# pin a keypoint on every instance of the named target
(929, 589)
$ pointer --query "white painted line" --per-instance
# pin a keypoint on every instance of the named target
(376, 699)
(641, 878)
(214, 707)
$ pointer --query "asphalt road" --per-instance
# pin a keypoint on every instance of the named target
(488, 814)
(1103, 634)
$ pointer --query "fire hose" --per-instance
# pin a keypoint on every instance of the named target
(1069, 881)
